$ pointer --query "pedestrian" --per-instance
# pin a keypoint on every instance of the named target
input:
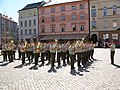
(112, 49)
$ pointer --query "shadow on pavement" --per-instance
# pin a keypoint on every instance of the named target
(4, 64)
(118, 66)
(34, 67)
(73, 72)
(2, 61)
(19, 66)
(52, 69)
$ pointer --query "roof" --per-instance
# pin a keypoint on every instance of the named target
(33, 5)
(54, 2)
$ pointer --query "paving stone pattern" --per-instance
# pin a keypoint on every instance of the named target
(100, 75)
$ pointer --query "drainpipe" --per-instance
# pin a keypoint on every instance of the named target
(89, 17)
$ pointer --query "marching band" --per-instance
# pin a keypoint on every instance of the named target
(79, 51)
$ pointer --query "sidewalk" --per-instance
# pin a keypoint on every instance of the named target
(100, 75)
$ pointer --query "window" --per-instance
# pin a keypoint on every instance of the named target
(30, 23)
(34, 31)
(105, 11)
(105, 36)
(52, 10)
(25, 32)
(21, 32)
(105, 24)
(81, 16)
(93, 6)
(63, 18)
(114, 10)
(62, 9)
(30, 32)
(21, 23)
(81, 6)
(94, 24)
(34, 22)
(93, 11)
(82, 27)
(74, 27)
(42, 20)
(63, 29)
(34, 14)
(53, 18)
(53, 29)
(42, 11)
(43, 30)
(73, 17)
(73, 7)
(114, 23)
(115, 36)
(25, 23)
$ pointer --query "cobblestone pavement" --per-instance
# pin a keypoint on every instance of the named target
(100, 75)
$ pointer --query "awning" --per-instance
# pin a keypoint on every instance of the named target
(74, 36)
(64, 37)
(52, 37)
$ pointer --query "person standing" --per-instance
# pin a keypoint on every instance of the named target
(112, 49)
(72, 55)
(4, 51)
(23, 50)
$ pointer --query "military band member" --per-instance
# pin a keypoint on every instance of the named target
(19, 52)
(4, 51)
(53, 46)
(30, 51)
(67, 51)
(79, 52)
(59, 55)
(92, 49)
(23, 51)
(10, 50)
(36, 49)
(64, 49)
(72, 51)
(48, 54)
(14, 50)
(43, 52)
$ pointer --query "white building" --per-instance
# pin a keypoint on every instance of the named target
(28, 22)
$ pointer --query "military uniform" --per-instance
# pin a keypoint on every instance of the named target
(4, 51)
(72, 55)
(23, 51)
(53, 53)
(9, 51)
(43, 52)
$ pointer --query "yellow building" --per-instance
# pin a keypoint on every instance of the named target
(105, 20)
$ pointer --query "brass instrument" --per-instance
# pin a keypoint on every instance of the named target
(37, 48)
(10, 45)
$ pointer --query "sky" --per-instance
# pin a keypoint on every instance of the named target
(11, 7)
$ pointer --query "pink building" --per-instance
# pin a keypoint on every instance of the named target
(66, 20)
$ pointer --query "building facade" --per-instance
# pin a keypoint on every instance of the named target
(28, 21)
(8, 29)
(64, 20)
(105, 20)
